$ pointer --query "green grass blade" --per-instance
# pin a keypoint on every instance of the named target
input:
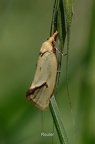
(58, 121)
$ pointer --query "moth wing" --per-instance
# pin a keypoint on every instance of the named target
(42, 70)
(44, 80)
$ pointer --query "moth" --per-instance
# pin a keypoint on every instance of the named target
(44, 81)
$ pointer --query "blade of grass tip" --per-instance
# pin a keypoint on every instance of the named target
(53, 21)
(61, 25)
(58, 121)
(68, 7)
(61, 34)
(68, 19)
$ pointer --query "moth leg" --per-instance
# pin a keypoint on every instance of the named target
(60, 52)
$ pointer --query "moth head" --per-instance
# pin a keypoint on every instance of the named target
(53, 38)
(48, 45)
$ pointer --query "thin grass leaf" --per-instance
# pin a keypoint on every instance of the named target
(58, 121)
(68, 6)
(61, 21)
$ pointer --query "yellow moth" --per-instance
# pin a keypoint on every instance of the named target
(44, 81)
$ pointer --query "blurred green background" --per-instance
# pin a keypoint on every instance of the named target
(24, 26)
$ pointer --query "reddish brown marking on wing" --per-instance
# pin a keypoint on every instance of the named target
(31, 91)
(40, 68)
(46, 85)
(41, 54)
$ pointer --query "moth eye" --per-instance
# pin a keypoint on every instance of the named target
(54, 49)
(53, 43)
